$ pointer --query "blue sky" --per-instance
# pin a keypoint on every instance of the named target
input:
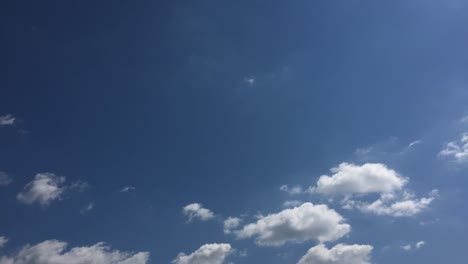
(187, 132)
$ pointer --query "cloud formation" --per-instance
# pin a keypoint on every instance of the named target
(4, 179)
(3, 241)
(348, 179)
(306, 222)
(456, 150)
(231, 223)
(55, 252)
(45, 188)
(196, 210)
(128, 189)
(206, 254)
(339, 254)
(7, 120)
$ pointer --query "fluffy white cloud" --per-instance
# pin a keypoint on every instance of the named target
(457, 150)
(398, 206)
(407, 247)
(339, 254)
(7, 120)
(4, 179)
(350, 179)
(306, 222)
(231, 223)
(206, 254)
(420, 244)
(3, 241)
(196, 210)
(55, 252)
(45, 188)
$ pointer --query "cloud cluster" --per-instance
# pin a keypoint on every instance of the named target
(45, 188)
(196, 210)
(55, 252)
(206, 254)
(457, 150)
(231, 223)
(306, 222)
(7, 120)
(348, 179)
(417, 245)
(339, 254)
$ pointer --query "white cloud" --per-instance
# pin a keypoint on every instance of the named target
(7, 120)
(292, 190)
(196, 210)
(457, 150)
(3, 241)
(350, 179)
(231, 223)
(412, 144)
(292, 203)
(339, 254)
(306, 222)
(55, 252)
(87, 208)
(4, 179)
(407, 247)
(420, 244)
(398, 206)
(206, 254)
(128, 189)
(45, 188)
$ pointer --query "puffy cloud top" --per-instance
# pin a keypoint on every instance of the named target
(339, 254)
(206, 254)
(196, 210)
(45, 188)
(306, 222)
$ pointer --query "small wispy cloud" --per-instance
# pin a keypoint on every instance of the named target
(411, 246)
(4, 179)
(3, 241)
(249, 81)
(412, 144)
(87, 208)
(456, 150)
(128, 189)
(196, 210)
(7, 120)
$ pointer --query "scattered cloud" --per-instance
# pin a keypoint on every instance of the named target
(45, 188)
(206, 254)
(403, 206)
(348, 179)
(420, 244)
(412, 144)
(87, 208)
(4, 179)
(339, 254)
(231, 223)
(407, 247)
(292, 203)
(457, 150)
(7, 120)
(303, 223)
(249, 81)
(54, 251)
(79, 186)
(128, 189)
(3, 241)
(196, 210)
(292, 190)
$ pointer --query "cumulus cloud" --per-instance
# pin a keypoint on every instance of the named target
(456, 150)
(55, 252)
(339, 254)
(402, 206)
(4, 179)
(420, 244)
(231, 223)
(7, 120)
(3, 241)
(350, 179)
(45, 188)
(196, 210)
(306, 222)
(206, 254)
